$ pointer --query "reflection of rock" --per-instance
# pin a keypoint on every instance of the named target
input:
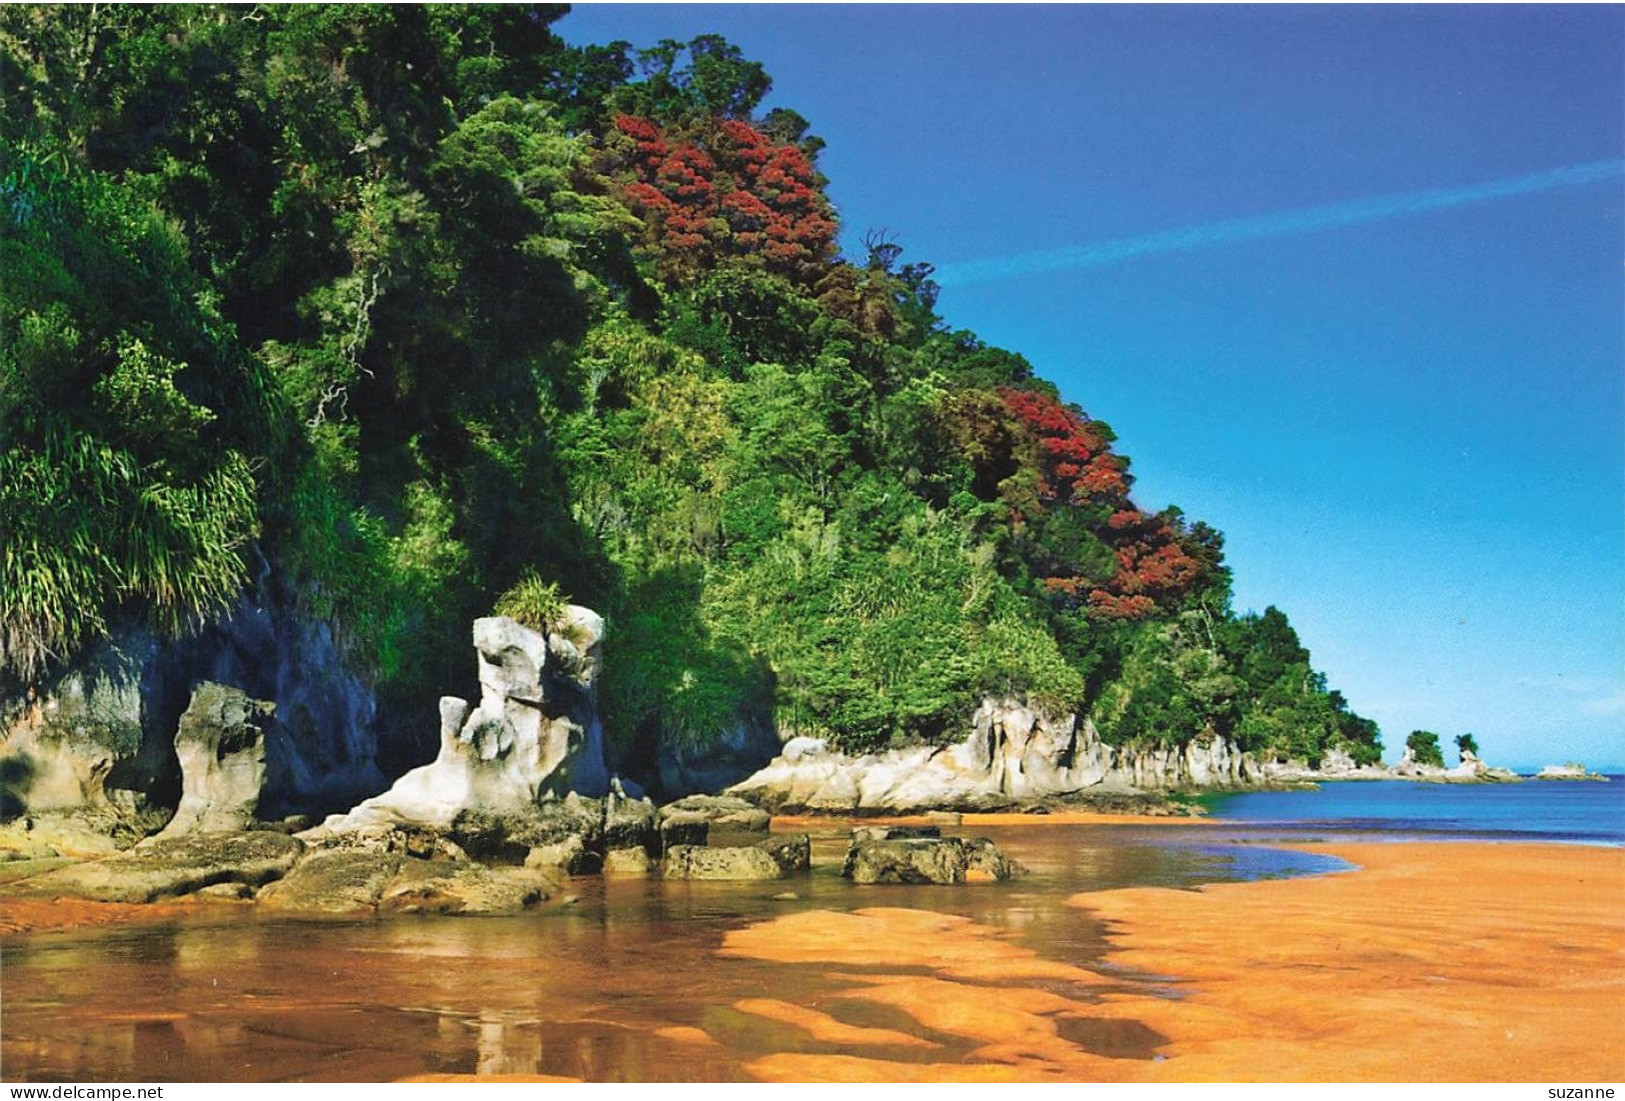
(164, 868)
(534, 733)
(774, 858)
(897, 857)
(221, 746)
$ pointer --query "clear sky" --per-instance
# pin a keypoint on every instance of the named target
(1255, 240)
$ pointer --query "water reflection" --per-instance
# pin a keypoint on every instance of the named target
(623, 985)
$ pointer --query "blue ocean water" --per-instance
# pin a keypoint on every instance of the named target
(1535, 810)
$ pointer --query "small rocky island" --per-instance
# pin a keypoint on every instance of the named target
(1571, 770)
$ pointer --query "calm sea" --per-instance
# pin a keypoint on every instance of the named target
(1535, 810)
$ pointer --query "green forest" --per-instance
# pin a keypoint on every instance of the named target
(419, 312)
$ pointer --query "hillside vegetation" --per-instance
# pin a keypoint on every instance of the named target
(419, 310)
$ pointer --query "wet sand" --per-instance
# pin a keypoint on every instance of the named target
(1455, 961)
(1432, 962)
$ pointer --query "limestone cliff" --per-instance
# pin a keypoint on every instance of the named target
(96, 743)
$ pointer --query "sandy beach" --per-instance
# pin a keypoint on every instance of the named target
(1432, 961)
(1458, 961)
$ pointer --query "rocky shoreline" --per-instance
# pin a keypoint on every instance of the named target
(519, 797)
(495, 824)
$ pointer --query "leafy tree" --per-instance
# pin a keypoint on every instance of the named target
(1424, 747)
(1465, 744)
(419, 305)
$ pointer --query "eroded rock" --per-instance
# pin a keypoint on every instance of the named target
(334, 881)
(221, 744)
(535, 732)
(940, 860)
(723, 813)
(774, 858)
(168, 867)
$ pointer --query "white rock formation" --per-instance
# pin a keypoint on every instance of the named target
(1013, 753)
(535, 731)
(221, 745)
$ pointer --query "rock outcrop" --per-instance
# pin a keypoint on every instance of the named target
(348, 880)
(722, 813)
(921, 855)
(535, 732)
(67, 747)
(1569, 771)
(1014, 754)
(175, 866)
(221, 747)
(88, 759)
(774, 858)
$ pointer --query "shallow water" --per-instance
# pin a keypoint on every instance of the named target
(623, 984)
(1585, 812)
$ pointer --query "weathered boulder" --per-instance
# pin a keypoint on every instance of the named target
(893, 833)
(164, 868)
(334, 881)
(791, 851)
(443, 887)
(628, 863)
(569, 825)
(683, 829)
(630, 823)
(362, 880)
(985, 862)
(775, 858)
(535, 732)
(722, 813)
(940, 860)
(221, 746)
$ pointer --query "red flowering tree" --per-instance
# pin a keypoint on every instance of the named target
(725, 192)
(1078, 473)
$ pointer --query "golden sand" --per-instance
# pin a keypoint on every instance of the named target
(1450, 962)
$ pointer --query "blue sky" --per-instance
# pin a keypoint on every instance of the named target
(1410, 426)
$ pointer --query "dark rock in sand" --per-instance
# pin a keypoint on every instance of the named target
(927, 860)
(774, 858)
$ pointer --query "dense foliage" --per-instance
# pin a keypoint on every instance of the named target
(1424, 747)
(433, 314)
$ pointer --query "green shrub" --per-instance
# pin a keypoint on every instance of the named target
(533, 602)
